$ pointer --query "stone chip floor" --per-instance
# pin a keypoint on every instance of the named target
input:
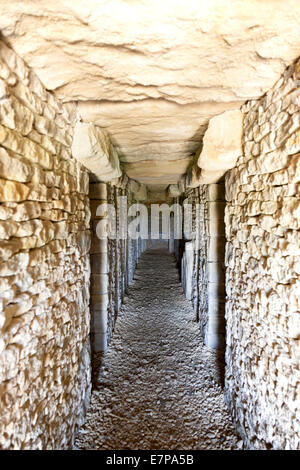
(158, 388)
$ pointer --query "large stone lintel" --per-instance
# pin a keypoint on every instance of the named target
(222, 145)
(92, 147)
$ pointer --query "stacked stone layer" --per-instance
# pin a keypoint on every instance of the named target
(44, 266)
(262, 271)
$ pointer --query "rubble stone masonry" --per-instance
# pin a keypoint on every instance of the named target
(262, 220)
(44, 266)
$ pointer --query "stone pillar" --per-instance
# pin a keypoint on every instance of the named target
(187, 269)
(99, 270)
(171, 245)
(214, 336)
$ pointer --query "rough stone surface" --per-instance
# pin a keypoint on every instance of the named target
(92, 147)
(158, 387)
(262, 271)
(44, 267)
(152, 80)
(152, 74)
(222, 144)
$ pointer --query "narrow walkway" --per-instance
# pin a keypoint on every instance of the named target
(159, 387)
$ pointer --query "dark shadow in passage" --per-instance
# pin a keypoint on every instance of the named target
(97, 362)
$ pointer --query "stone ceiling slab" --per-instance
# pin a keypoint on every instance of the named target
(153, 73)
(157, 172)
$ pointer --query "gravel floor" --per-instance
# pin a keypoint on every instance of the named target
(158, 387)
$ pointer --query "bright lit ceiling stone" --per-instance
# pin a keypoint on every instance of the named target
(153, 73)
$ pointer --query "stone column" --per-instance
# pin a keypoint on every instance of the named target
(99, 269)
(187, 269)
(171, 245)
(215, 329)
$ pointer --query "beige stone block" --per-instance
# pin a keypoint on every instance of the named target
(292, 144)
(14, 265)
(15, 116)
(267, 144)
(29, 99)
(5, 75)
(23, 146)
(294, 169)
(43, 125)
(83, 241)
(210, 177)
(231, 185)
(13, 191)
(290, 213)
(221, 146)
(92, 147)
(13, 168)
(4, 90)
(50, 113)
(269, 207)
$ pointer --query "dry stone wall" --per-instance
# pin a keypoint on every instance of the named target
(44, 266)
(262, 271)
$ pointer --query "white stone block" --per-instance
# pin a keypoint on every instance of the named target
(215, 272)
(216, 289)
(214, 341)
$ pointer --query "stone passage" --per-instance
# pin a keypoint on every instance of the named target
(158, 387)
